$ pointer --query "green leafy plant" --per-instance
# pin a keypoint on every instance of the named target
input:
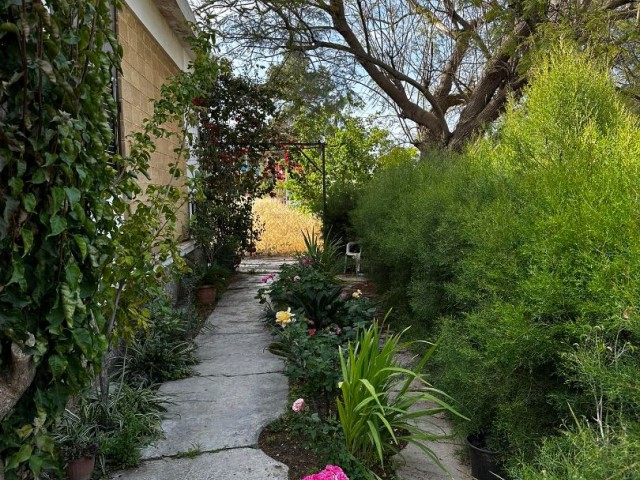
(60, 197)
(126, 420)
(234, 127)
(75, 437)
(326, 257)
(376, 419)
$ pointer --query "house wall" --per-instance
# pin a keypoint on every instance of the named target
(146, 66)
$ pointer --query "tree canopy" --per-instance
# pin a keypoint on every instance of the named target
(448, 68)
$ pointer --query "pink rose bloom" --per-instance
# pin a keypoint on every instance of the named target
(312, 331)
(344, 295)
(306, 261)
(299, 405)
(266, 278)
(337, 330)
(331, 472)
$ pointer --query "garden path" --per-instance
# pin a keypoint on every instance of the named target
(215, 418)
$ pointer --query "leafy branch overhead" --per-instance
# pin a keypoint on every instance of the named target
(448, 68)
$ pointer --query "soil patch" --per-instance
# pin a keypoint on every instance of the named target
(284, 446)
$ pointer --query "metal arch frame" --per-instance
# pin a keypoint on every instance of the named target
(322, 169)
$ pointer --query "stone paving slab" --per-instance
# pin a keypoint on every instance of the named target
(414, 464)
(247, 354)
(217, 412)
(236, 464)
(263, 264)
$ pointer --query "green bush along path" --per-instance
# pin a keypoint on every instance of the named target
(213, 423)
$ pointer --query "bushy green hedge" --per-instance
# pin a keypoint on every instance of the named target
(521, 252)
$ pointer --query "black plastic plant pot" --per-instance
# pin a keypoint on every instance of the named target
(485, 464)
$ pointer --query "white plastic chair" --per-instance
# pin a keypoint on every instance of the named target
(353, 251)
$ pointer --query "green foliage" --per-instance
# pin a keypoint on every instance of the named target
(374, 419)
(147, 252)
(311, 360)
(326, 257)
(409, 220)
(355, 150)
(75, 436)
(521, 249)
(58, 201)
(164, 350)
(319, 297)
(584, 453)
(234, 132)
(128, 419)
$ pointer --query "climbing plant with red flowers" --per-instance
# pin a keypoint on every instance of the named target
(234, 133)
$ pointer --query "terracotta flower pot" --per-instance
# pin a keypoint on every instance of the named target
(206, 294)
(80, 468)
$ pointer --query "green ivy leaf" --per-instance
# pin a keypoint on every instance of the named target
(69, 303)
(57, 197)
(73, 194)
(45, 443)
(58, 225)
(35, 464)
(27, 240)
(82, 245)
(17, 275)
(72, 275)
(82, 337)
(29, 202)
(58, 365)
(21, 456)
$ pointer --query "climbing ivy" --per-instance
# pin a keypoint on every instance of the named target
(58, 202)
(81, 243)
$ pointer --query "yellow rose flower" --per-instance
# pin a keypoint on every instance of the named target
(284, 318)
(356, 294)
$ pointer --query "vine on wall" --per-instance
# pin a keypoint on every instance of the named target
(81, 243)
(57, 188)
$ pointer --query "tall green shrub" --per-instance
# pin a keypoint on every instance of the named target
(409, 219)
(551, 256)
(520, 249)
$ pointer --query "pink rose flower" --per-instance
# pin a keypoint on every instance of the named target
(312, 331)
(299, 405)
(344, 295)
(331, 472)
(267, 278)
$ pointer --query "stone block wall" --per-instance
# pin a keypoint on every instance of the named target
(145, 68)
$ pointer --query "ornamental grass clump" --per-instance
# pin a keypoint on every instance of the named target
(378, 407)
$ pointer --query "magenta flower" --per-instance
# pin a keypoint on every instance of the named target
(299, 405)
(306, 261)
(331, 472)
(268, 278)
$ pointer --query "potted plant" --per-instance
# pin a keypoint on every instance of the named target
(209, 281)
(486, 464)
(78, 445)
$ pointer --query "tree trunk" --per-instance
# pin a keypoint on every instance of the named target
(15, 380)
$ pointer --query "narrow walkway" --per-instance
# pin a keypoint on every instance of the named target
(215, 419)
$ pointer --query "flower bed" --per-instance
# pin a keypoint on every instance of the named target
(342, 374)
